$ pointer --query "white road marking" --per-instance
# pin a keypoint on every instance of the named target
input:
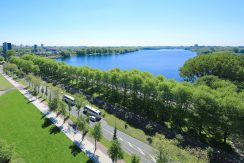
(120, 139)
(128, 149)
(140, 150)
(153, 158)
(130, 144)
(109, 132)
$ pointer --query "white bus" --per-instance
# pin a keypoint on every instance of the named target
(69, 99)
(92, 112)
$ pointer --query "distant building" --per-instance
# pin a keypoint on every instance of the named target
(35, 48)
(6, 46)
(196, 45)
(52, 50)
(42, 45)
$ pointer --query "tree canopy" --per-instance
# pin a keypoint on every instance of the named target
(224, 65)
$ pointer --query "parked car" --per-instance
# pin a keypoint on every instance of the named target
(93, 118)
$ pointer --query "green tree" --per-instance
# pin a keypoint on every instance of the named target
(53, 104)
(1, 58)
(83, 125)
(10, 53)
(97, 133)
(80, 103)
(135, 159)
(115, 152)
(204, 103)
(62, 108)
(162, 154)
(221, 64)
(115, 133)
(69, 108)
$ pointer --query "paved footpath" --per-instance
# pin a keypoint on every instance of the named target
(87, 146)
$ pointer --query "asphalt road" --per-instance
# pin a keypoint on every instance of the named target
(128, 143)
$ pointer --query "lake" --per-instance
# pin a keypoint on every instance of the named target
(164, 61)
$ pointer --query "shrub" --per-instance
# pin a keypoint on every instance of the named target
(6, 151)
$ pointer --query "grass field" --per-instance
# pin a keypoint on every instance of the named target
(35, 138)
(4, 84)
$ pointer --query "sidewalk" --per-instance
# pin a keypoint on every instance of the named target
(75, 136)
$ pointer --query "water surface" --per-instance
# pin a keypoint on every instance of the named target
(165, 61)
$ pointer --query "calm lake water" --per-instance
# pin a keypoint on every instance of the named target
(165, 61)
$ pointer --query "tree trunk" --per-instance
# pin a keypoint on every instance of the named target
(78, 115)
(225, 135)
(124, 95)
(95, 145)
(200, 129)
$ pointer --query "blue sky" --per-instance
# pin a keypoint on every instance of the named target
(122, 22)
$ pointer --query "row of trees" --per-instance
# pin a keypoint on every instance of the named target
(216, 111)
(96, 51)
(105, 50)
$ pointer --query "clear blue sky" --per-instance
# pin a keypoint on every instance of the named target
(122, 22)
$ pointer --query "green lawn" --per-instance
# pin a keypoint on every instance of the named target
(4, 84)
(36, 140)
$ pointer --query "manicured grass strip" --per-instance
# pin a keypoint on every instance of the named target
(35, 138)
(4, 84)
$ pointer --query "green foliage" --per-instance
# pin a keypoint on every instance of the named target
(62, 107)
(83, 125)
(135, 159)
(96, 133)
(1, 58)
(53, 104)
(115, 133)
(24, 65)
(104, 50)
(80, 102)
(65, 53)
(222, 64)
(6, 151)
(10, 53)
(115, 152)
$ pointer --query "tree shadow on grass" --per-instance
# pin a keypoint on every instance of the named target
(75, 150)
(30, 101)
(54, 130)
(44, 114)
(46, 123)
(89, 161)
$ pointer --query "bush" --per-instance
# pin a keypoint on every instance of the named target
(135, 159)
(149, 128)
(6, 151)
(1, 59)
(179, 138)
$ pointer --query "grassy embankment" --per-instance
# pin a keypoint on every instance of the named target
(4, 84)
(35, 138)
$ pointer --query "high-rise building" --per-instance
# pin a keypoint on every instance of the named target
(35, 48)
(42, 45)
(7, 46)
